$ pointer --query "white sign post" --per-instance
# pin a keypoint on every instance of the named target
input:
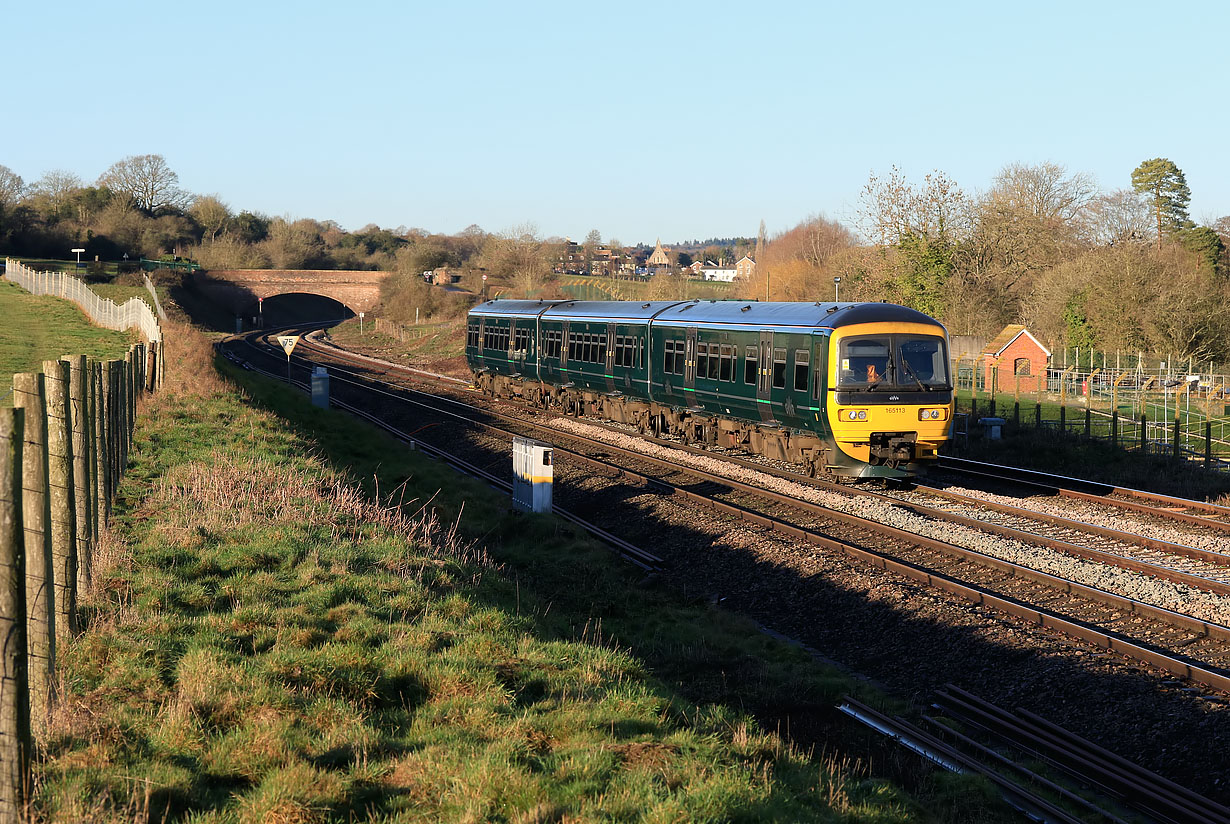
(288, 345)
(360, 323)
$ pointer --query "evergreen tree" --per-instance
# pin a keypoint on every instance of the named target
(1163, 183)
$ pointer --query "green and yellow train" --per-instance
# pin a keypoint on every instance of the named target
(854, 390)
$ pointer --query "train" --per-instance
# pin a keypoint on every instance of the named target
(848, 391)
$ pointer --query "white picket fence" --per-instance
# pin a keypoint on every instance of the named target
(133, 314)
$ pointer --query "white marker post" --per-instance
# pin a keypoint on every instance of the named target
(288, 345)
(360, 323)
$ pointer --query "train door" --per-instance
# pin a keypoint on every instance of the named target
(764, 380)
(819, 379)
(689, 368)
(609, 362)
(516, 355)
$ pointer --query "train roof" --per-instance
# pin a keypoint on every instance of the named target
(705, 312)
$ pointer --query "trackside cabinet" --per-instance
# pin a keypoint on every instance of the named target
(533, 475)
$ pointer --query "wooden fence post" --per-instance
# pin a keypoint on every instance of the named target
(151, 366)
(29, 397)
(1114, 427)
(63, 504)
(103, 436)
(1174, 437)
(111, 379)
(82, 479)
(126, 407)
(1088, 423)
(15, 739)
(1144, 434)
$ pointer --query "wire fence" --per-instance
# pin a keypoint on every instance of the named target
(132, 314)
(1155, 410)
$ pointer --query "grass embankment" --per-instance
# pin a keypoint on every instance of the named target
(38, 328)
(267, 642)
(438, 346)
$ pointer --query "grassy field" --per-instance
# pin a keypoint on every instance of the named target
(299, 620)
(38, 328)
(604, 288)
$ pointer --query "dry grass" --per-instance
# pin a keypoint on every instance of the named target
(189, 370)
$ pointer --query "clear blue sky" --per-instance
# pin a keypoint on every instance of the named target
(673, 119)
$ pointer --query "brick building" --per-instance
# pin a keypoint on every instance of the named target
(1015, 355)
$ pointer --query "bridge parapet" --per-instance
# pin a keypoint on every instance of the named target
(238, 289)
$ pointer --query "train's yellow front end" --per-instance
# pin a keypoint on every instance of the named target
(890, 398)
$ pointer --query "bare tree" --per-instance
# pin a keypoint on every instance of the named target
(519, 256)
(1045, 191)
(1119, 217)
(148, 180)
(12, 187)
(57, 187)
(211, 213)
(892, 208)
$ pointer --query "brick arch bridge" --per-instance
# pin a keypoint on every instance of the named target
(239, 289)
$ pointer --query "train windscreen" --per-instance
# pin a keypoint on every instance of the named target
(893, 362)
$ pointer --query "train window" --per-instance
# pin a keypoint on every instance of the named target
(702, 359)
(925, 361)
(601, 346)
(864, 361)
(572, 346)
(715, 361)
(668, 357)
(779, 368)
(521, 340)
(472, 335)
(728, 363)
(551, 343)
(749, 364)
(801, 359)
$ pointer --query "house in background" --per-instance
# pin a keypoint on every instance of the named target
(659, 261)
(1015, 358)
(745, 268)
(711, 271)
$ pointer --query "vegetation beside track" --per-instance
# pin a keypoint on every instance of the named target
(300, 620)
(38, 328)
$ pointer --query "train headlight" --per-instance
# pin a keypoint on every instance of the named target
(932, 414)
(854, 415)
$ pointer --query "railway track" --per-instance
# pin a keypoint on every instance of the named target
(1161, 507)
(1099, 616)
(1167, 641)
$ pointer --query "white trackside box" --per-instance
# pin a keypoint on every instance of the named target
(532, 475)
